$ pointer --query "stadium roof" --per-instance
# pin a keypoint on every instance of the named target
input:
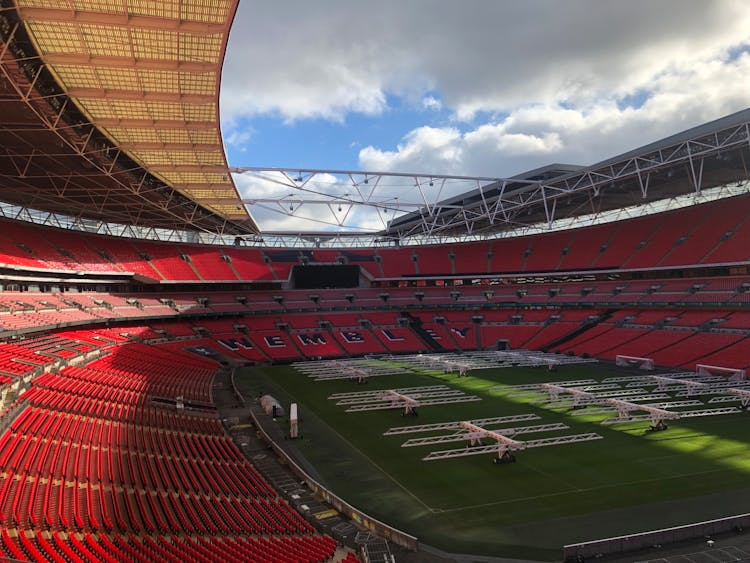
(434, 207)
(110, 112)
(703, 157)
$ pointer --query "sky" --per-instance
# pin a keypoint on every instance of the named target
(477, 87)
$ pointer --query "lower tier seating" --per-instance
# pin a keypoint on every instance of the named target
(101, 465)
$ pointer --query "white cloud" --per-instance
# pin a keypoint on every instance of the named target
(238, 138)
(300, 59)
(432, 103)
(420, 149)
(538, 134)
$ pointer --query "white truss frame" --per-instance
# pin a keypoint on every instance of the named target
(709, 412)
(462, 436)
(523, 389)
(656, 415)
(598, 387)
(557, 441)
(662, 405)
(494, 203)
(631, 399)
(581, 398)
(743, 394)
(356, 368)
(393, 395)
(683, 414)
(666, 383)
(447, 365)
(634, 380)
(715, 389)
(406, 398)
(457, 424)
(422, 402)
(379, 393)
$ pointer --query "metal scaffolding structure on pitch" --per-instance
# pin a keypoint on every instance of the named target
(461, 436)
(358, 369)
(645, 380)
(428, 394)
(410, 403)
(533, 358)
(656, 415)
(742, 394)
(677, 390)
(525, 388)
(580, 398)
(457, 424)
(716, 388)
(660, 405)
(583, 398)
(508, 445)
(665, 383)
(376, 393)
(486, 359)
(448, 365)
(449, 362)
(408, 398)
(693, 414)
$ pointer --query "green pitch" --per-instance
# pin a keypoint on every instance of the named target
(630, 481)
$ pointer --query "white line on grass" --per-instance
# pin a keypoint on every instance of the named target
(547, 495)
(383, 471)
(556, 478)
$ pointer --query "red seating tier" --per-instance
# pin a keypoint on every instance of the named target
(88, 475)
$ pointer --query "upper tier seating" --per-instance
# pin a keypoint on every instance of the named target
(708, 233)
(209, 263)
(167, 261)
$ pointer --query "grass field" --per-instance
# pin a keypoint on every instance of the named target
(630, 481)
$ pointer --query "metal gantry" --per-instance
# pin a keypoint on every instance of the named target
(428, 206)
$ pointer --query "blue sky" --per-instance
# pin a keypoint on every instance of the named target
(473, 88)
(329, 144)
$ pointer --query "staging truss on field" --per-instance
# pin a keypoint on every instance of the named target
(361, 369)
(625, 395)
(448, 365)
(485, 359)
(408, 398)
(632, 398)
(355, 369)
(462, 436)
(456, 425)
(474, 431)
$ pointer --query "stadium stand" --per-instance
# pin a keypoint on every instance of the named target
(95, 467)
(209, 263)
(111, 447)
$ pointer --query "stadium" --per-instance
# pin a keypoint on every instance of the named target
(545, 367)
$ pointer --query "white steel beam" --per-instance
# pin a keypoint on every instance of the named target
(463, 452)
(457, 424)
(462, 436)
(424, 403)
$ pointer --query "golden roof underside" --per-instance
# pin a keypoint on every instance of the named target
(146, 73)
